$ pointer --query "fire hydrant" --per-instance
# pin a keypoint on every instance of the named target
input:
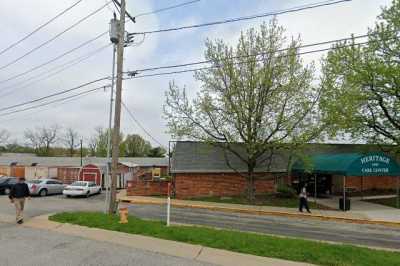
(123, 215)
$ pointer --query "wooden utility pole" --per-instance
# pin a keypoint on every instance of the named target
(112, 208)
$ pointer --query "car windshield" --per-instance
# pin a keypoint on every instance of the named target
(36, 181)
(2, 180)
(79, 184)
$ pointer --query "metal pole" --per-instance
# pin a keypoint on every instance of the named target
(344, 193)
(168, 204)
(81, 152)
(398, 195)
(169, 158)
(107, 177)
(315, 189)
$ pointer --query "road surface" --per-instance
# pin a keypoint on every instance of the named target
(368, 235)
(32, 247)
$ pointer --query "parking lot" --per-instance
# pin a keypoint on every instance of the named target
(55, 203)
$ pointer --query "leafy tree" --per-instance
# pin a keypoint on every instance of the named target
(261, 102)
(136, 146)
(362, 84)
(157, 152)
(98, 143)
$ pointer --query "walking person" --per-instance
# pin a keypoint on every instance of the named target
(303, 200)
(17, 195)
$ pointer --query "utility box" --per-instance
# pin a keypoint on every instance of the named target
(347, 205)
(114, 26)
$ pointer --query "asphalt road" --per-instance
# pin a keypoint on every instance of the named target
(367, 235)
(33, 247)
(371, 235)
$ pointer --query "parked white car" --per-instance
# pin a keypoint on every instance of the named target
(82, 188)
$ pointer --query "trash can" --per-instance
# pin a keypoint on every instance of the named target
(341, 207)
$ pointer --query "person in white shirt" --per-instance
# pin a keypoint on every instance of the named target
(303, 200)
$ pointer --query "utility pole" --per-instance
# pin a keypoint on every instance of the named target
(81, 152)
(117, 117)
(114, 28)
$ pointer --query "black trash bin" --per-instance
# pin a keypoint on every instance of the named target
(341, 207)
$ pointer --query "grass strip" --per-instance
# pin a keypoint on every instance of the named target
(262, 200)
(390, 202)
(250, 243)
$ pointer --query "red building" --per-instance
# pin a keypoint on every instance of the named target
(202, 170)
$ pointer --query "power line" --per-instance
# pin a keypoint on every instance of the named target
(291, 10)
(81, 94)
(54, 59)
(39, 28)
(140, 125)
(61, 68)
(166, 8)
(53, 94)
(61, 102)
(133, 76)
(247, 56)
(53, 38)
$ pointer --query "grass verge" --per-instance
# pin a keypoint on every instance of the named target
(390, 202)
(263, 200)
(250, 243)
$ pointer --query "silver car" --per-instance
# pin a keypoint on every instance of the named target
(44, 187)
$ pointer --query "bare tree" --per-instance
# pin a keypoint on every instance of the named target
(42, 138)
(70, 140)
(4, 136)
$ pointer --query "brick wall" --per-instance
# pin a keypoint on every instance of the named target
(219, 184)
(364, 183)
(371, 182)
(147, 188)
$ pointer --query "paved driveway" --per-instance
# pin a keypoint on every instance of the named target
(24, 246)
(57, 203)
(33, 247)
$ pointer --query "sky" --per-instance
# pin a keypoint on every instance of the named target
(144, 97)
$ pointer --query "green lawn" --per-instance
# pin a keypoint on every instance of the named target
(263, 200)
(250, 243)
(391, 202)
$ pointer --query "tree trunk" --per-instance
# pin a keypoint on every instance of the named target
(250, 183)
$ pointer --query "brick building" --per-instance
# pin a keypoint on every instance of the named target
(202, 170)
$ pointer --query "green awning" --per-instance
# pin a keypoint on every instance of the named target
(349, 164)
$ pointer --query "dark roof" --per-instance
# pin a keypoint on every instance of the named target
(199, 157)
(28, 160)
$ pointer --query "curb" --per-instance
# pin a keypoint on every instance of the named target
(264, 212)
(189, 251)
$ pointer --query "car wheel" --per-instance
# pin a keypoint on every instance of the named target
(7, 191)
(68, 196)
(43, 193)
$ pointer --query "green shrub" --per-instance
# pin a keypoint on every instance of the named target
(285, 191)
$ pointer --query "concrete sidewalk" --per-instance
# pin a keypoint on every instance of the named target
(172, 248)
(350, 217)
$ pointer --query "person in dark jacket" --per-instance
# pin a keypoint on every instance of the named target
(17, 195)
